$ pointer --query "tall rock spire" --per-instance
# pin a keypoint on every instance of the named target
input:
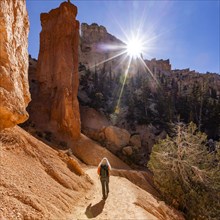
(56, 103)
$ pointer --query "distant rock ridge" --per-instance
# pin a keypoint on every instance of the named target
(154, 64)
(94, 47)
(14, 88)
(56, 81)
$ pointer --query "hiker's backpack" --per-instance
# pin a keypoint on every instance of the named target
(104, 170)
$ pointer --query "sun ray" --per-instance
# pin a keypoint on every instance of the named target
(148, 69)
(111, 58)
(123, 85)
(121, 61)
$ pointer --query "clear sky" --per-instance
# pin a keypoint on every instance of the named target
(186, 32)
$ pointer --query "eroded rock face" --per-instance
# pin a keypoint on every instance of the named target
(14, 88)
(55, 101)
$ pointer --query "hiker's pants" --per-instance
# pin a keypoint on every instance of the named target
(105, 187)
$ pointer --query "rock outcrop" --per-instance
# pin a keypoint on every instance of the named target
(14, 88)
(55, 96)
(158, 65)
(94, 33)
(95, 49)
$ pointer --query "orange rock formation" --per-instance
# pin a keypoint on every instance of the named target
(14, 88)
(55, 101)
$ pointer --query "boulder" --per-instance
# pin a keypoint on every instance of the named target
(14, 88)
(57, 73)
(92, 119)
(127, 151)
(135, 140)
(117, 136)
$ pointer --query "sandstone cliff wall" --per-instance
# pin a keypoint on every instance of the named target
(57, 71)
(14, 88)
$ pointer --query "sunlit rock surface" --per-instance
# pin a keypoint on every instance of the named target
(14, 88)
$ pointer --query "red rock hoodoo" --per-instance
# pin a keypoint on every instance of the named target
(14, 88)
(55, 101)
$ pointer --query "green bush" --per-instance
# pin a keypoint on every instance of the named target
(187, 174)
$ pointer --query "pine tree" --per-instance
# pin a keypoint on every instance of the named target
(187, 174)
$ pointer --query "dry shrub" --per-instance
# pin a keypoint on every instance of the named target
(187, 174)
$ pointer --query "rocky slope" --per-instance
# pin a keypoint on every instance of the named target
(14, 88)
(56, 80)
(37, 182)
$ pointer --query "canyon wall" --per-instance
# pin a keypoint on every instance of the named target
(55, 104)
(14, 88)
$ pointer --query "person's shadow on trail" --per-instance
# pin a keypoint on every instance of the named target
(95, 210)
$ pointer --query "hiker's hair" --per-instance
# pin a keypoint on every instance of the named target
(105, 161)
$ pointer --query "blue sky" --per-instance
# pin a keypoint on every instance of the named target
(186, 32)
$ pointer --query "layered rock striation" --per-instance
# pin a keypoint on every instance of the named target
(14, 88)
(55, 94)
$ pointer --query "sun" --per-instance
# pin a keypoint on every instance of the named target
(134, 48)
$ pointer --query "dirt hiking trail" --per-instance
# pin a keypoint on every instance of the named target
(123, 202)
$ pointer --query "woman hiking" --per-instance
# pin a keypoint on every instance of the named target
(103, 171)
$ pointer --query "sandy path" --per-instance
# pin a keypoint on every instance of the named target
(118, 205)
